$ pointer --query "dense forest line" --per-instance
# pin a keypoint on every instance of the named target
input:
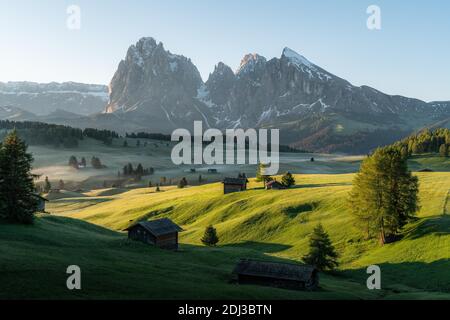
(426, 141)
(38, 133)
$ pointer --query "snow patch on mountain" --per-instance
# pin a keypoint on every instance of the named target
(303, 64)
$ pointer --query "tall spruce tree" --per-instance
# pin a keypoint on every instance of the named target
(17, 200)
(384, 195)
(322, 254)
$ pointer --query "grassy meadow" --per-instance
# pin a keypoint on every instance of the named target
(86, 231)
(84, 228)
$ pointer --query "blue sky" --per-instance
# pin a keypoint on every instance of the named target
(408, 56)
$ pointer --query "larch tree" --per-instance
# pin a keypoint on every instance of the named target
(384, 195)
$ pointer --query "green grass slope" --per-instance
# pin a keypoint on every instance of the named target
(34, 260)
(278, 223)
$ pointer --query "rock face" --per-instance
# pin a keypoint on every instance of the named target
(155, 90)
(43, 99)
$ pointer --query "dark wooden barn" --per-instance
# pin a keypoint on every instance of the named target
(281, 275)
(162, 233)
(234, 185)
(40, 202)
(274, 185)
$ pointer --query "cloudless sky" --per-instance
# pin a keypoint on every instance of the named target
(408, 56)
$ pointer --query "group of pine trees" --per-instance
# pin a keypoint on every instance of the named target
(96, 163)
(426, 141)
(287, 179)
(138, 172)
(106, 136)
(37, 133)
(151, 136)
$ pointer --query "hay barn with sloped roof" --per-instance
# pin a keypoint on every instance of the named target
(234, 185)
(162, 233)
(275, 274)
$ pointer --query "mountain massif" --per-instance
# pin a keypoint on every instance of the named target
(155, 90)
(313, 108)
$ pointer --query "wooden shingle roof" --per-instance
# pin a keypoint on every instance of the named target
(275, 270)
(39, 197)
(159, 227)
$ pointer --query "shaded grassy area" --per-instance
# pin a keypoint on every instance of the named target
(35, 258)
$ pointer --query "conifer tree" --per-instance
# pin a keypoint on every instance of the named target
(17, 200)
(288, 180)
(73, 162)
(210, 237)
(322, 254)
(182, 183)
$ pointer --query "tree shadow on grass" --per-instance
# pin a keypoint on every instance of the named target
(322, 185)
(409, 277)
(262, 247)
(439, 225)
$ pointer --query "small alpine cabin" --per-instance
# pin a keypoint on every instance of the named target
(40, 202)
(275, 185)
(274, 274)
(162, 233)
(234, 185)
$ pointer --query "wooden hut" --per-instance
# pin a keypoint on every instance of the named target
(162, 233)
(275, 185)
(40, 202)
(234, 185)
(281, 275)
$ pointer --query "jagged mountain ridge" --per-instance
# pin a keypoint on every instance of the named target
(315, 109)
(154, 90)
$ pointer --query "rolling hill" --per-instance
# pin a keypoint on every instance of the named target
(276, 224)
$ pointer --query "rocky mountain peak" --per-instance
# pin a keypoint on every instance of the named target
(250, 62)
(296, 58)
(221, 71)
